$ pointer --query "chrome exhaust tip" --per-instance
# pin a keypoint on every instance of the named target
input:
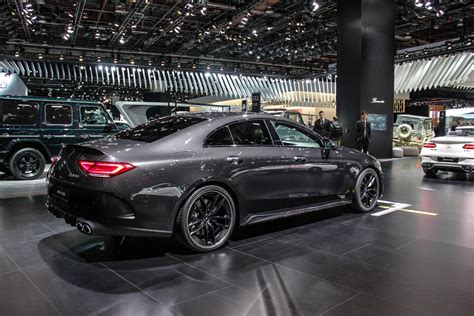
(86, 229)
(80, 227)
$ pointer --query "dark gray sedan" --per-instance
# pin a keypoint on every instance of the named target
(199, 176)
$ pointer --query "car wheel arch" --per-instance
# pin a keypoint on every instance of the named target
(18, 145)
(215, 181)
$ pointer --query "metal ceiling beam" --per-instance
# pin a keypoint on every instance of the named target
(138, 6)
(141, 39)
(142, 53)
(21, 15)
(77, 19)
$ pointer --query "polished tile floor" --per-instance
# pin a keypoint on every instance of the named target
(334, 262)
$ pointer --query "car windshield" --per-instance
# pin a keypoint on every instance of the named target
(159, 128)
(465, 131)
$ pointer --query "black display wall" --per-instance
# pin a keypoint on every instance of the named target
(365, 66)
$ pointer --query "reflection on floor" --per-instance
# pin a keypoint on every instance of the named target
(334, 262)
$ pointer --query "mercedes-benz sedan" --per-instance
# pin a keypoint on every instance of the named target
(199, 176)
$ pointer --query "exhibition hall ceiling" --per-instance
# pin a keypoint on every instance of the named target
(286, 37)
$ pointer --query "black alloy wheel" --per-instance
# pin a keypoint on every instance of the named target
(367, 190)
(207, 219)
(27, 164)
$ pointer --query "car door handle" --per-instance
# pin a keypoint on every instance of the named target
(299, 158)
(234, 160)
(85, 136)
(47, 136)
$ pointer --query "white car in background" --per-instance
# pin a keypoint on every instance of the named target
(454, 152)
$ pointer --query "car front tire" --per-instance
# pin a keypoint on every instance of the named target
(366, 191)
(207, 219)
(27, 164)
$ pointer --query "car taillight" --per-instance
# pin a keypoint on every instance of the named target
(468, 146)
(429, 145)
(104, 169)
(54, 160)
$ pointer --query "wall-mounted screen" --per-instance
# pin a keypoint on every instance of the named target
(378, 121)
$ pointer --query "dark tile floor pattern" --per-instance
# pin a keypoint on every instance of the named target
(334, 262)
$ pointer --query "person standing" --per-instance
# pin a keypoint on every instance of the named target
(322, 125)
(336, 131)
(454, 126)
(363, 132)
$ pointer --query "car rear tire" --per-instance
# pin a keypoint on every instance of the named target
(430, 173)
(366, 191)
(27, 164)
(207, 219)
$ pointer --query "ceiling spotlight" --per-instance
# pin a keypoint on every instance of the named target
(66, 36)
(254, 32)
(115, 60)
(122, 40)
(132, 61)
(204, 10)
(162, 63)
(222, 68)
(61, 57)
(418, 3)
(460, 22)
(40, 56)
(428, 5)
(177, 29)
(314, 5)
(179, 65)
(98, 59)
(81, 58)
(97, 34)
(244, 20)
(439, 13)
(150, 63)
(194, 66)
(17, 54)
(208, 67)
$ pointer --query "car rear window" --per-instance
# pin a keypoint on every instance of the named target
(18, 112)
(159, 128)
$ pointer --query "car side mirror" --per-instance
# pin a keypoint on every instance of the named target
(109, 127)
(328, 144)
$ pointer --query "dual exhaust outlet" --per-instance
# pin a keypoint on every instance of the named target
(84, 228)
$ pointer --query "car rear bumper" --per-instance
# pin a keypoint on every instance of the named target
(105, 213)
(462, 165)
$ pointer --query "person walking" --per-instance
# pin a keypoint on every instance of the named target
(363, 132)
(322, 125)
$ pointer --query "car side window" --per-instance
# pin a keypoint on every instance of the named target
(250, 133)
(291, 135)
(220, 137)
(93, 115)
(18, 113)
(58, 114)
